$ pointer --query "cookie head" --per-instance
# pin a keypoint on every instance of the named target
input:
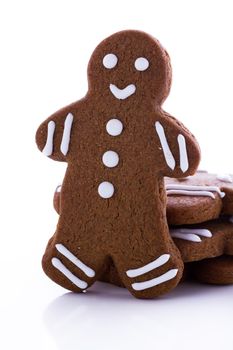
(130, 65)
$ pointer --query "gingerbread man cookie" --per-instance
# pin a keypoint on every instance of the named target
(119, 145)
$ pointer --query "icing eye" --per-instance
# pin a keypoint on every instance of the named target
(141, 64)
(110, 61)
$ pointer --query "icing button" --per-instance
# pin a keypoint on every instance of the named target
(114, 127)
(110, 159)
(141, 64)
(106, 189)
(110, 61)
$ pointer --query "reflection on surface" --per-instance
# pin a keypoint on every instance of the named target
(108, 317)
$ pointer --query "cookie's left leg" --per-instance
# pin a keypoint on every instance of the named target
(214, 271)
(150, 275)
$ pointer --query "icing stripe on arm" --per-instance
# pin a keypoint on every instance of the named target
(166, 150)
(48, 148)
(184, 163)
(66, 134)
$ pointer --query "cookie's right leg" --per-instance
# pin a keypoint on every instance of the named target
(70, 265)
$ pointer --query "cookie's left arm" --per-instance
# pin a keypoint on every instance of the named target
(178, 146)
(54, 136)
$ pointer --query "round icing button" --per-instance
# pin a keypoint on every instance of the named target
(114, 127)
(110, 61)
(110, 159)
(106, 189)
(141, 64)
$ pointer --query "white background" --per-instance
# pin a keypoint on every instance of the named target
(44, 50)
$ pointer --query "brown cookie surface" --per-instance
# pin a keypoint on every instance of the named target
(119, 145)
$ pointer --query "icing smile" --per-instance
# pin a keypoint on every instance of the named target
(122, 94)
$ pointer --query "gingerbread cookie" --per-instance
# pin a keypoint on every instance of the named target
(199, 198)
(119, 145)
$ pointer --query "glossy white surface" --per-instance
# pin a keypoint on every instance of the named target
(43, 316)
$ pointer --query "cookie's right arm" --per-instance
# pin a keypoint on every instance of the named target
(54, 135)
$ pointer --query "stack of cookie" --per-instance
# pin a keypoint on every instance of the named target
(199, 211)
(130, 210)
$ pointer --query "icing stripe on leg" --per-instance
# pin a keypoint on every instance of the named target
(149, 267)
(64, 251)
(75, 280)
(166, 150)
(155, 281)
(48, 148)
(66, 134)
(184, 163)
(186, 236)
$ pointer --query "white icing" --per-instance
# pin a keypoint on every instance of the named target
(110, 61)
(110, 159)
(199, 231)
(141, 63)
(58, 189)
(191, 193)
(106, 189)
(64, 251)
(149, 267)
(225, 178)
(186, 236)
(192, 189)
(114, 127)
(184, 163)
(166, 150)
(66, 134)
(190, 234)
(155, 281)
(74, 279)
(48, 148)
(122, 94)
